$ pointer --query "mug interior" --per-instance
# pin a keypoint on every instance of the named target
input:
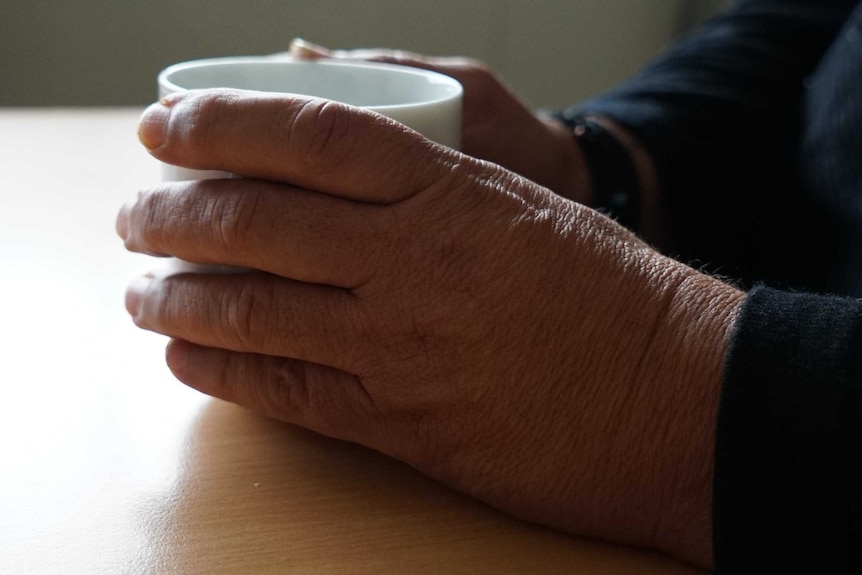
(367, 85)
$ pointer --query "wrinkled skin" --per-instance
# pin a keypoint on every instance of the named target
(438, 308)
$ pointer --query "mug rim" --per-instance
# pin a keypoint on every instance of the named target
(165, 81)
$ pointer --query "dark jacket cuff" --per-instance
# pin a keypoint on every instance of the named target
(787, 486)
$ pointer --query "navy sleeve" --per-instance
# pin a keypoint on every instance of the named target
(719, 114)
(789, 439)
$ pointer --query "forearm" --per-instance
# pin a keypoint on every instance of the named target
(684, 370)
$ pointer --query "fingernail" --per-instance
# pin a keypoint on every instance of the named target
(177, 355)
(123, 222)
(305, 49)
(135, 293)
(153, 126)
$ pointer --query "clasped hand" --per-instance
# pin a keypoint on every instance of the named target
(438, 308)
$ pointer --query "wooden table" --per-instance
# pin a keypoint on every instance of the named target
(108, 465)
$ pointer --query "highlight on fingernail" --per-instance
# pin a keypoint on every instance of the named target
(122, 223)
(304, 49)
(153, 126)
(172, 98)
(135, 293)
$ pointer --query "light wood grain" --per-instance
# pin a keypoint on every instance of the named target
(108, 465)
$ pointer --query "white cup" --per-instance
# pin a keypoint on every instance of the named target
(425, 101)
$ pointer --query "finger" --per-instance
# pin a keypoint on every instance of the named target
(283, 230)
(317, 397)
(310, 142)
(461, 68)
(303, 49)
(257, 313)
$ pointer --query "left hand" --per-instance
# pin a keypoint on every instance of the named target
(495, 124)
(438, 308)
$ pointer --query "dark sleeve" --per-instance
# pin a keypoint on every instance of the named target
(787, 491)
(719, 114)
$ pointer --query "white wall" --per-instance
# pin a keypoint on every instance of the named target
(107, 52)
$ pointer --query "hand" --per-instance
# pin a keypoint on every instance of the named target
(496, 125)
(438, 308)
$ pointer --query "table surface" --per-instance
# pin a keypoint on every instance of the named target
(109, 465)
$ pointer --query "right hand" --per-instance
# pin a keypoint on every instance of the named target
(496, 125)
(440, 309)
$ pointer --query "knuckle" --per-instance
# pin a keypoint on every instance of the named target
(330, 131)
(205, 112)
(298, 391)
(288, 389)
(242, 315)
(232, 218)
(250, 316)
(148, 222)
(228, 380)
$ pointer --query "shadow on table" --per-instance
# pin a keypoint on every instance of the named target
(257, 495)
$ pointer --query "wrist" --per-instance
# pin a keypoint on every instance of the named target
(686, 367)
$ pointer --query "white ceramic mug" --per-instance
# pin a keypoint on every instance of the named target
(425, 101)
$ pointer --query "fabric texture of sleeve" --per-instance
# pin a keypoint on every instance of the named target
(719, 115)
(787, 495)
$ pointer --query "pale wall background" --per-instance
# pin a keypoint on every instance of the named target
(107, 52)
